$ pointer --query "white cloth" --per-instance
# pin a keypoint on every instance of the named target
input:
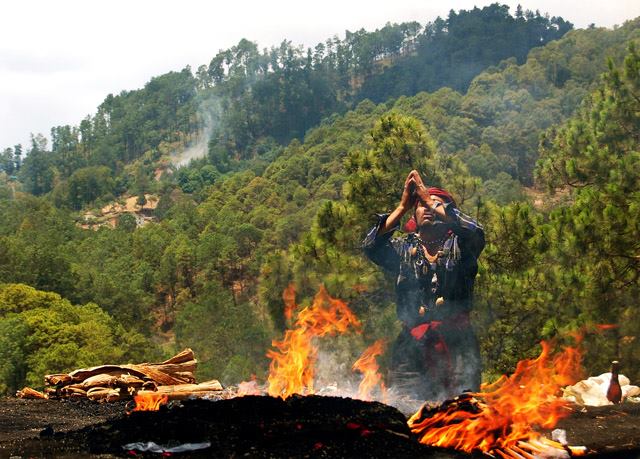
(152, 447)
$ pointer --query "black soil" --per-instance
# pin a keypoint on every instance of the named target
(613, 431)
(264, 427)
(249, 426)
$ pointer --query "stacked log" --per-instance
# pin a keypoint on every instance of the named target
(183, 391)
(108, 383)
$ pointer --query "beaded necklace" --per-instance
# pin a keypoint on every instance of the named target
(434, 244)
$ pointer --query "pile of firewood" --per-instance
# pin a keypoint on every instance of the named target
(108, 383)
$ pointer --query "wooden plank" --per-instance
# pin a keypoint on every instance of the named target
(28, 392)
(207, 386)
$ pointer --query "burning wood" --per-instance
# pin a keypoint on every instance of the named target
(249, 388)
(106, 383)
(504, 414)
(289, 299)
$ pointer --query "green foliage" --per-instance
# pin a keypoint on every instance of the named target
(597, 156)
(194, 180)
(503, 189)
(37, 172)
(42, 333)
(229, 339)
(13, 366)
(84, 186)
(399, 144)
(33, 235)
(8, 162)
(239, 226)
(452, 52)
(512, 303)
(126, 222)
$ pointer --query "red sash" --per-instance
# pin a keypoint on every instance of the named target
(439, 361)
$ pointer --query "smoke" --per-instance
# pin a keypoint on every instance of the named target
(334, 377)
(333, 368)
(209, 113)
(438, 367)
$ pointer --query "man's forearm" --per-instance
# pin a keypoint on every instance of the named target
(392, 220)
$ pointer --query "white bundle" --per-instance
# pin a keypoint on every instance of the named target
(593, 391)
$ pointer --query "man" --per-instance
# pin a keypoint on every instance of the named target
(436, 356)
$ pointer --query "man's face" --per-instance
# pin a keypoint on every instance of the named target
(425, 216)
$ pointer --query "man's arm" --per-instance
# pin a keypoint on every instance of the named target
(378, 246)
(407, 203)
(471, 233)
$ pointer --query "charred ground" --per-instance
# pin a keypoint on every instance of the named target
(264, 427)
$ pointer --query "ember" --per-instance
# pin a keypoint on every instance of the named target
(292, 364)
(368, 366)
(503, 413)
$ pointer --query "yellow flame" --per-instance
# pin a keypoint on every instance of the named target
(149, 401)
(369, 367)
(507, 409)
(292, 361)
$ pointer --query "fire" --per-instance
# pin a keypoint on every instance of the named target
(292, 362)
(368, 366)
(289, 298)
(149, 401)
(505, 412)
(249, 387)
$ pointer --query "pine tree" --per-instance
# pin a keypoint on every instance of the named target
(596, 238)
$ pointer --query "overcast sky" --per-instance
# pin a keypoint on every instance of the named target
(59, 59)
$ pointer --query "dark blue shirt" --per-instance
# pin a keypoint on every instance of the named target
(443, 288)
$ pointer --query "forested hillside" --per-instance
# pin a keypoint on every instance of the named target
(298, 161)
(248, 101)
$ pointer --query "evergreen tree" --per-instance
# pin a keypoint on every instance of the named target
(596, 157)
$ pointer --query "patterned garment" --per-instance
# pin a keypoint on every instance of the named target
(436, 354)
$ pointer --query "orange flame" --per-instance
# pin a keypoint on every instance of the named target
(292, 364)
(289, 298)
(507, 409)
(369, 367)
(149, 401)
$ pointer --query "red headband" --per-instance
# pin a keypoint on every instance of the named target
(443, 194)
(411, 225)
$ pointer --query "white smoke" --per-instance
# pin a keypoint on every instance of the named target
(334, 377)
(208, 112)
(333, 373)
